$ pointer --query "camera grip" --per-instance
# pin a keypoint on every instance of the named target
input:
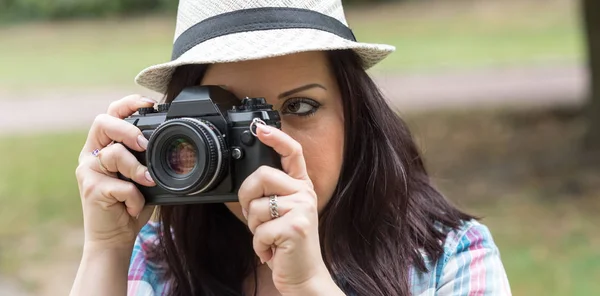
(252, 154)
(269, 157)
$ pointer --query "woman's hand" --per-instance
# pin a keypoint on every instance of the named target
(113, 209)
(289, 244)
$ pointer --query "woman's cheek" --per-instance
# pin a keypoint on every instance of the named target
(323, 149)
(321, 136)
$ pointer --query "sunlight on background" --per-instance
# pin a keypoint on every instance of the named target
(493, 90)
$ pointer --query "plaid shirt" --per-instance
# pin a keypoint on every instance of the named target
(470, 265)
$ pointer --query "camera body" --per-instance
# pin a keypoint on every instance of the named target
(200, 151)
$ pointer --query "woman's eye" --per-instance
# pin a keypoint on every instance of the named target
(300, 107)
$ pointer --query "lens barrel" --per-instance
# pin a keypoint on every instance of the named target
(186, 156)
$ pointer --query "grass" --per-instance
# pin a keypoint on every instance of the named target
(80, 54)
(458, 35)
(540, 206)
(545, 254)
(428, 37)
(41, 166)
(38, 193)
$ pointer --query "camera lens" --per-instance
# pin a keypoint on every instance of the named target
(181, 156)
(186, 156)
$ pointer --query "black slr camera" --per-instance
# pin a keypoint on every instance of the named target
(202, 146)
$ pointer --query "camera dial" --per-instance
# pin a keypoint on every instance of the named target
(252, 104)
(163, 107)
(146, 110)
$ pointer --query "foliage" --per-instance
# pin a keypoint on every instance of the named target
(20, 10)
(17, 10)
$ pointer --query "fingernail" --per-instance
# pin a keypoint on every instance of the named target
(148, 177)
(265, 128)
(148, 100)
(142, 141)
(245, 213)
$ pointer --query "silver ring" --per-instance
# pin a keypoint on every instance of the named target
(254, 122)
(273, 206)
(96, 153)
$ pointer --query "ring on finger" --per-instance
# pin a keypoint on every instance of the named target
(273, 206)
(104, 170)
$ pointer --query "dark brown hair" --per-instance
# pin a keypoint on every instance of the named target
(383, 212)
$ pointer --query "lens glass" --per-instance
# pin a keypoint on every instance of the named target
(181, 156)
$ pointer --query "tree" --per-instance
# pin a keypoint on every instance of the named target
(591, 20)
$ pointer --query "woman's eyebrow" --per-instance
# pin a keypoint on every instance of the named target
(299, 89)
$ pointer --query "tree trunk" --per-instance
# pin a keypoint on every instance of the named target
(591, 16)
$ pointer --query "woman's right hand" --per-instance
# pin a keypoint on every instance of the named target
(113, 209)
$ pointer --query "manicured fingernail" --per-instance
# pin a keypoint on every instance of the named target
(148, 177)
(245, 213)
(148, 100)
(142, 141)
(265, 128)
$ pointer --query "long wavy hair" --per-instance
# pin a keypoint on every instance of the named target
(383, 214)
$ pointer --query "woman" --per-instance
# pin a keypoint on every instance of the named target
(355, 214)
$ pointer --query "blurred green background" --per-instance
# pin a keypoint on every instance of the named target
(517, 165)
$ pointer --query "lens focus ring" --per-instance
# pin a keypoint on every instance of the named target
(186, 156)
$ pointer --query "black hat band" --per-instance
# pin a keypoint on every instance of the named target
(265, 18)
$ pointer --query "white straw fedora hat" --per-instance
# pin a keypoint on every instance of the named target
(219, 31)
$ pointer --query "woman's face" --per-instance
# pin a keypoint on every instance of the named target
(304, 91)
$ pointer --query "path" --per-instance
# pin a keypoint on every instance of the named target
(66, 110)
(12, 288)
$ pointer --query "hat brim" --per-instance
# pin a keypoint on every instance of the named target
(259, 45)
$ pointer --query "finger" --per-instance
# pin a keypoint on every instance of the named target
(117, 109)
(95, 165)
(259, 210)
(266, 181)
(281, 233)
(292, 158)
(122, 191)
(128, 105)
(107, 129)
(116, 158)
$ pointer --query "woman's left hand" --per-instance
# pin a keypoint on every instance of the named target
(289, 244)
